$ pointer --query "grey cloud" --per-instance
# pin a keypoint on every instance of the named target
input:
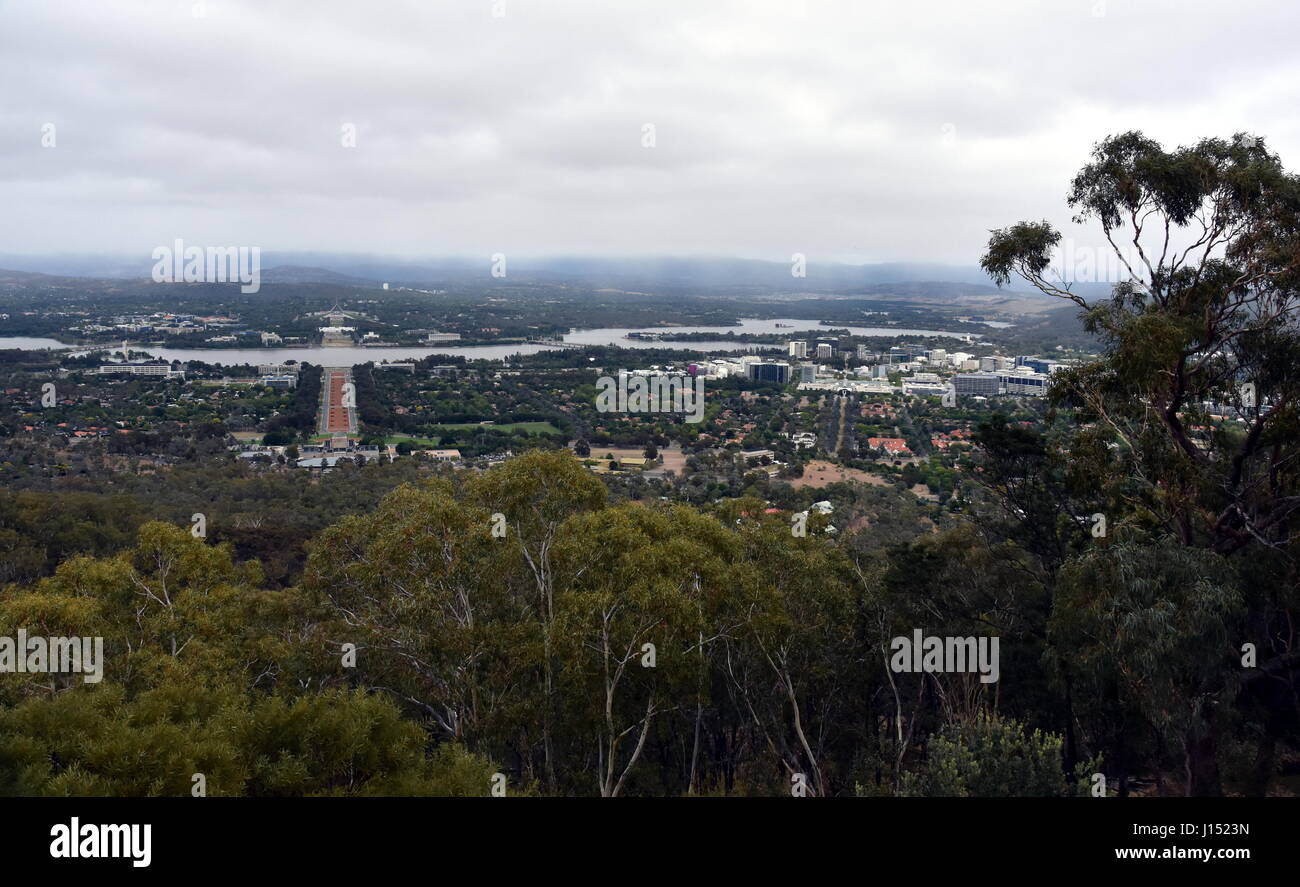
(859, 132)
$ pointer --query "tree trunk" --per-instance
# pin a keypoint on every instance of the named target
(1203, 764)
(1261, 774)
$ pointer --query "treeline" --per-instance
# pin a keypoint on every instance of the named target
(299, 417)
(516, 621)
(586, 649)
(267, 516)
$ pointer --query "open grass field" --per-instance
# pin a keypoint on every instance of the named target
(530, 427)
(819, 473)
(673, 460)
(418, 441)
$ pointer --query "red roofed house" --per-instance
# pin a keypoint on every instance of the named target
(894, 446)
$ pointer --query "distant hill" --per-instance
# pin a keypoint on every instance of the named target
(754, 277)
(308, 274)
(622, 273)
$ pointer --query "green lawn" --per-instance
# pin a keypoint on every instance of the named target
(530, 427)
(424, 442)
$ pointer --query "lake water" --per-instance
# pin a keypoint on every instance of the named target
(28, 343)
(605, 336)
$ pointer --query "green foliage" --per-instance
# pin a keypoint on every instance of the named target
(989, 757)
(95, 742)
(1182, 437)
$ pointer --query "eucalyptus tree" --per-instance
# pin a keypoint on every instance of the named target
(1203, 323)
(534, 494)
(639, 585)
(1187, 426)
(434, 610)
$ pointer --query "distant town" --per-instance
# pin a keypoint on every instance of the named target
(812, 404)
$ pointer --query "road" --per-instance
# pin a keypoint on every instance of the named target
(334, 415)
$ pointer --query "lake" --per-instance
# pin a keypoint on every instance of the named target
(28, 343)
(605, 336)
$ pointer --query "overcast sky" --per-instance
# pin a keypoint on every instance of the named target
(853, 131)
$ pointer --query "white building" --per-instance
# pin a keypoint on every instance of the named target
(859, 386)
(284, 381)
(141, 369)
(336, 336)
